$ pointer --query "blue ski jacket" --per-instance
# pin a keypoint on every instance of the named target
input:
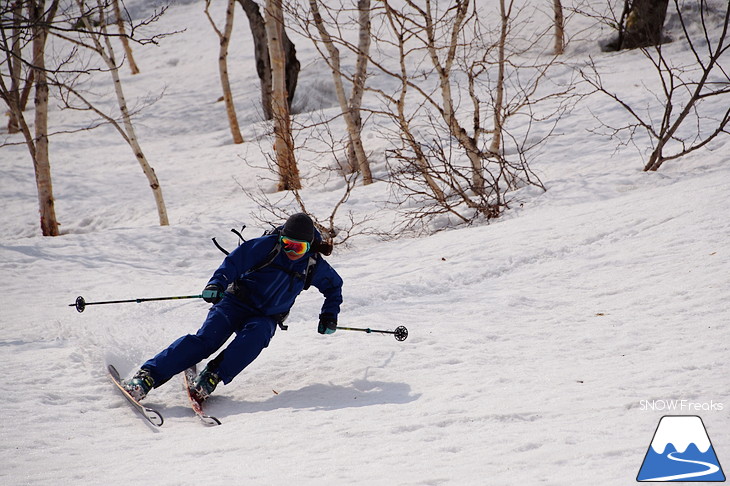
(272, 290)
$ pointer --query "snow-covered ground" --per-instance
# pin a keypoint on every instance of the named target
(537, 343)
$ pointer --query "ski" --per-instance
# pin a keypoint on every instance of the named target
(152, 415)
(189, 375)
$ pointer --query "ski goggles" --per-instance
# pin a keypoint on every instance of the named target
(297, 247)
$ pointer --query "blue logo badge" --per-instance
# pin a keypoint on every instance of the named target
(681, 451)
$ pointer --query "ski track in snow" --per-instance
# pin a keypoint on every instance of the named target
(531, 343)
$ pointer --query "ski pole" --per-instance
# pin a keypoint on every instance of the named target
(81, 304)
(400, 333)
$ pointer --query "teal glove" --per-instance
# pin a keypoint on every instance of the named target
(213, 293)
(327, 324)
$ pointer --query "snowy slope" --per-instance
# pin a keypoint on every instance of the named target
(534, 341)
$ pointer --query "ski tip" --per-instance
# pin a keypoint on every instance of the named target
(210, 421)
(154, 417)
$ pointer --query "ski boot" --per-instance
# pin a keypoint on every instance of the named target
(139, 385)
(204, 384)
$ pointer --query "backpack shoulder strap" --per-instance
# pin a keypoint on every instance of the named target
(266, 261)
(309, 272)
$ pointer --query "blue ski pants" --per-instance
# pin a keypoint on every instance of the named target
(253, 333)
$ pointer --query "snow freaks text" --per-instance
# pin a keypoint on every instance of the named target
(687, 406)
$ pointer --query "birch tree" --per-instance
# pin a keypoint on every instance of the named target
(101, 44)
(449, 162)
(32, 22)
(36, 26)
(224, 38)
(676, 116)
(283, 138)
(350, 107)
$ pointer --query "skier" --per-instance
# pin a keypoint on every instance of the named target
(251, 292)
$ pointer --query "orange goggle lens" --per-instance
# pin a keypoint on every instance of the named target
(297, 247)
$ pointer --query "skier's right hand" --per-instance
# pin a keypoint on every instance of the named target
(327, 324)
(213, 293)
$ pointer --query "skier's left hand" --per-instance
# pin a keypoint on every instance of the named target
(327, 324)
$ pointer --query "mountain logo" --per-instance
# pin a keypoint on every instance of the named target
(681, 451)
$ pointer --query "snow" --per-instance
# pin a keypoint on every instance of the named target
(534, 341)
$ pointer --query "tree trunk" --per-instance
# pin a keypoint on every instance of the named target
(15, 69)
(448, 111)
(106, 51)
(123, 36)
(223, 68)
(559, 27)
(496, 144)
(350, 113)
(419, 159)
(291, 67)
(225, 39)
(149, 172)
(358, 88)
(26, 90)
(283, 140)
(644, 24)
(41, 160)
(263, 63)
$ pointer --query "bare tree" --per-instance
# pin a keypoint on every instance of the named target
(447, 161)
(350, 107)
(35, 26)
(34, 21)
(101, 44)
(224, 38)
(283, 138)
(683, 124)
